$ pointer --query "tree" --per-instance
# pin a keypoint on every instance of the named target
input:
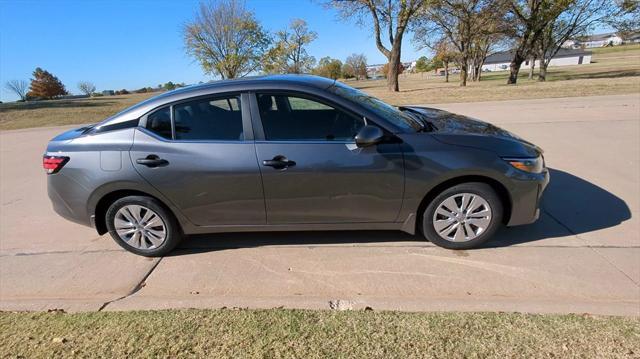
(529, 18)
(169, 86)
(423, 64)
(45, 85)
(347, 71)
(468, 25)
(358, 63)
(226, 39)
(445, 54)
(289, 51)
(625, 18)
(328, 67)
(395, 15)
(577, 20)
(86, 88)
(18, 87)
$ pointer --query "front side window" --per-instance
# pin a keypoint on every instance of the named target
(291, 118)
(159, 122)
(209, 119)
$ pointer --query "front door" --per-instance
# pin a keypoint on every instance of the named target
(196, 153)
(312, 172)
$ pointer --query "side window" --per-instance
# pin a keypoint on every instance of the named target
(209, 119)
(294, 118)
(159, 122)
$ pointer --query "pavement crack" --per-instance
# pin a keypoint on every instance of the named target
(136, 288)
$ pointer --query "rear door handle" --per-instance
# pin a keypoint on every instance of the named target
(279, 162)
(152, 161)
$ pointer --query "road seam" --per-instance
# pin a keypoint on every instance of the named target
(136, 288)
(594, 249)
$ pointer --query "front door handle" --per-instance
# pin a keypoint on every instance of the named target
(152, 161)
(279, 162)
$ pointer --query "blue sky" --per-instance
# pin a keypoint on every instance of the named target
(134, 43)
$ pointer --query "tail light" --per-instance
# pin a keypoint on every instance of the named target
(53, 164)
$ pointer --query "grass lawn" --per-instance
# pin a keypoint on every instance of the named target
(615, 70)
(303, 334)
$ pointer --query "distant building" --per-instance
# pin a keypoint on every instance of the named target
(598, 40)
(500, 61)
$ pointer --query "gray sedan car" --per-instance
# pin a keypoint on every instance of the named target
(280, 153)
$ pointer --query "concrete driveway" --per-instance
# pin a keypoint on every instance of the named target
(582, 256)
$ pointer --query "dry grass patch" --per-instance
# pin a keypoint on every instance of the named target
(312, 334)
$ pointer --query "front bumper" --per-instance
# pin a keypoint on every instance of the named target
(526, 193)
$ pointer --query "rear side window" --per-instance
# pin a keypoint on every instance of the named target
(159, 122)
(209, 119)
(292, 118)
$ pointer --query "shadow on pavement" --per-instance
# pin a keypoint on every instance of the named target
(570, 205)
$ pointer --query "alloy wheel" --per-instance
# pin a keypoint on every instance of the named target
(140, 227)
(462, 217)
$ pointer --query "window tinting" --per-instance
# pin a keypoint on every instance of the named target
(209, 119)
(295, 118)
(159, 122)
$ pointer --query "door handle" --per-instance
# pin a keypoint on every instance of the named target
(152, 161)
(279, 162)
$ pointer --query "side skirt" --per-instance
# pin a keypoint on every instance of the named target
(402, 226)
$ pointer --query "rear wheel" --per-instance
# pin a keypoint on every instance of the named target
(143, 226)
(463, 216)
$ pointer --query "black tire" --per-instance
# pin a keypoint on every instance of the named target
(481, 189)
(173, 231)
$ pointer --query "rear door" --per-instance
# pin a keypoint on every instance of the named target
(312, 171)
(200, 154)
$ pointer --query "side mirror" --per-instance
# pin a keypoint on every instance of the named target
(369, 136)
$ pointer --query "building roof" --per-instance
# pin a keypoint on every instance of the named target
(507, 56)
(599, 37)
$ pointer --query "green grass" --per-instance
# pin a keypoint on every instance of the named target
(615, 70)
(310, 334)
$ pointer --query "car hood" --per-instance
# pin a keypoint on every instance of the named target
(461, 130)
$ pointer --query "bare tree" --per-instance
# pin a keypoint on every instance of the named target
(358, 64)
(577, 20)
(625, 18)
(86, 87)
(394, 15)
(289, 52)
(470, 26)
(226, 39)
(18, 87)
(529, 19)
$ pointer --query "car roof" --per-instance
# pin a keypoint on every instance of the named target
(276, 82)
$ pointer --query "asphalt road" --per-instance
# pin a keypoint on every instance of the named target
(583, 255)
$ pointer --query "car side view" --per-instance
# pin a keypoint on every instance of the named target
(290, 152)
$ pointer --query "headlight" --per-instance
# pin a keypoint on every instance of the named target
(531, 165)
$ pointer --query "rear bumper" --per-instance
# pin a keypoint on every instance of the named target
(68, 201)
(526, 194)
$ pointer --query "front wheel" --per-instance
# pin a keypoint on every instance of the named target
(143, 226)
(463, 216)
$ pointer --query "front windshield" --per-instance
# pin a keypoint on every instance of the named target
(376, 106)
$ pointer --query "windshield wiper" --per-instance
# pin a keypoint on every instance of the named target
(425, 126)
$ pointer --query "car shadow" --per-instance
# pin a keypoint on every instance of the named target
(570, 206)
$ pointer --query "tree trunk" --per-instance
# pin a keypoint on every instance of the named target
(514, 67)
(394, 65)
(464, 72)
(533, 66)
(446, 72)
(542, 72)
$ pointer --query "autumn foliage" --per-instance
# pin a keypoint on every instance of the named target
(45, 85)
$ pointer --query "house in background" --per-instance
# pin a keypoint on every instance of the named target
(500, 61)
(598, 40)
